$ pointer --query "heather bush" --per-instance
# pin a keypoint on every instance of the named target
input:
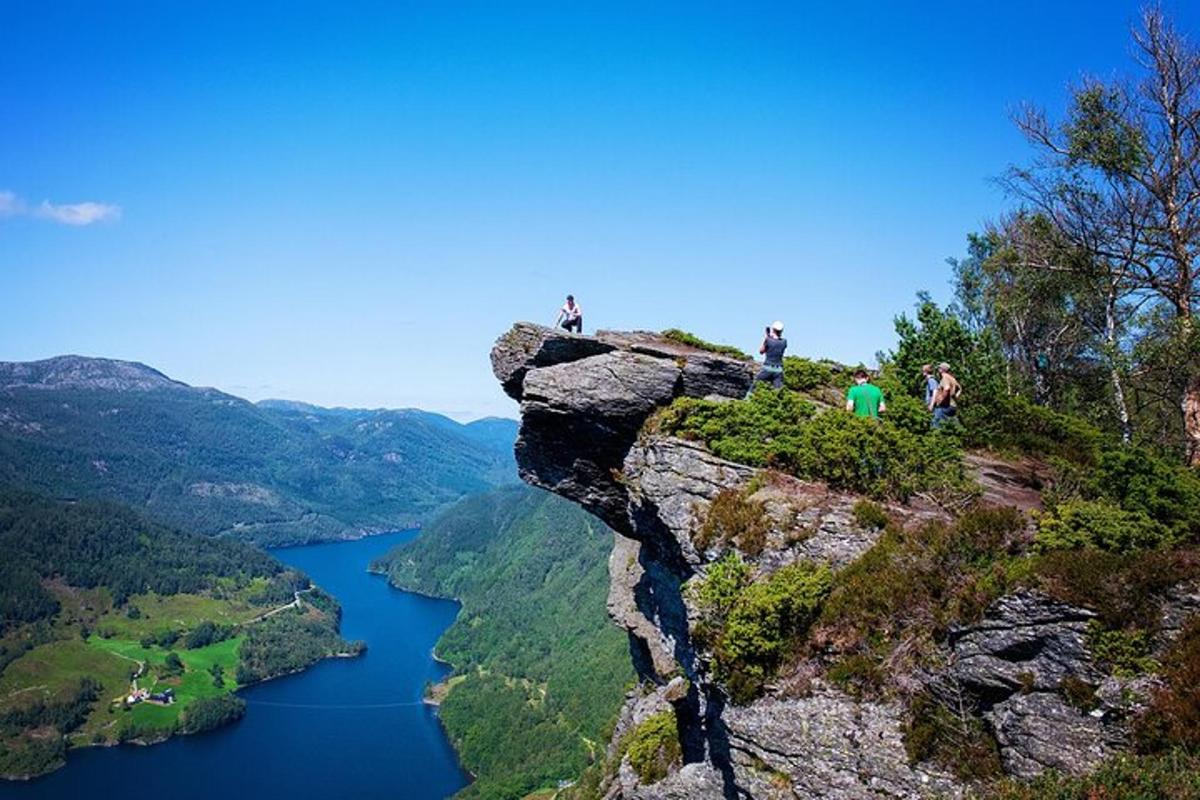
(733, 518)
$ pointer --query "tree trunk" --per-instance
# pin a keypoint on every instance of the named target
(1114, 368)
(1191, 419)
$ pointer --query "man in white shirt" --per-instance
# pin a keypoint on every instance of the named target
(570, 316)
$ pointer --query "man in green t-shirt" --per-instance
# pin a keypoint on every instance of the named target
(865, 399)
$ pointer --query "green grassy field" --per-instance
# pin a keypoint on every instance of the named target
(178, 612)
(195, 682)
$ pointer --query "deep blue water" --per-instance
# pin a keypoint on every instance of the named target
(346, 728)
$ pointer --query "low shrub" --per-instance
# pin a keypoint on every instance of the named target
(1125, 589)
(1015, 424)
(869, 515)
(760, 430)
(1125, 653)
(1142, 482)
(912, 585)
(804, 375)
(751, 626)
(653, 748)
(691, 340)
(764, 624)
(734, 518)
(1099, 524)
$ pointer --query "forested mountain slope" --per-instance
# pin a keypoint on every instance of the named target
(273, 473)
(539, 671)
(96, 599)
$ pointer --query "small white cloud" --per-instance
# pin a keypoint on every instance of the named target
(10, 204)
(77, 214)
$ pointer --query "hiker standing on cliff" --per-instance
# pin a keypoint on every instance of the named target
(865, 399)
(570, 316)
(772, 350)
(931, 384)
(944, 403)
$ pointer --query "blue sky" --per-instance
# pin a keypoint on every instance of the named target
(347, 206)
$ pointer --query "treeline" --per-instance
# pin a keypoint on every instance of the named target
(22, 755)
(292, 640)
(97, 543)
(1088, 288)
(543, 667)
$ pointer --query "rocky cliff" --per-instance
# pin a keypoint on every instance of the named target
(585, 404)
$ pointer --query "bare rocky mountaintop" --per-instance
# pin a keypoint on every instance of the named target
(80, 372)
(1005, 676)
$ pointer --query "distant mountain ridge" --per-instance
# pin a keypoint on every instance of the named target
(82, 372)
(278, 472)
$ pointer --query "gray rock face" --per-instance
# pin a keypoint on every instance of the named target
(1013, 663)
(584, 399)
(829, 745)
(1040, 731)
(1026, 642)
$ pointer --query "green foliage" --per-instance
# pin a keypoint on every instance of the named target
(691, 340)
(27, 756)
(869, 515)
(938, 335)
(955, 739)
(1098, 133)
(752, 626)
(171, 666)
(1016, 425)
(722, 585)
(206, 633)
(761, 430)
(210, 713)
(1147, 484)
(90, 544)
(530, 570)
(734, 518)
(805, 375)
(1079, 524)
(1125, 652)
(779, 430)
(653, 747)
(288, 642)
(1174, 775)
(274, 473)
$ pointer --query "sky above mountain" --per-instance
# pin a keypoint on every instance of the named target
(347, 206)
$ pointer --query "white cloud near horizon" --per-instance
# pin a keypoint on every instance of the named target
(76, 214)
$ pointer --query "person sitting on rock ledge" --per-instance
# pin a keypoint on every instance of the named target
(772, 349)
(570, 316)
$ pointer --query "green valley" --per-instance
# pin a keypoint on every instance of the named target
(539, 671)
(116, 628)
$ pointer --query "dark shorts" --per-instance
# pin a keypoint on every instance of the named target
(576, 324)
